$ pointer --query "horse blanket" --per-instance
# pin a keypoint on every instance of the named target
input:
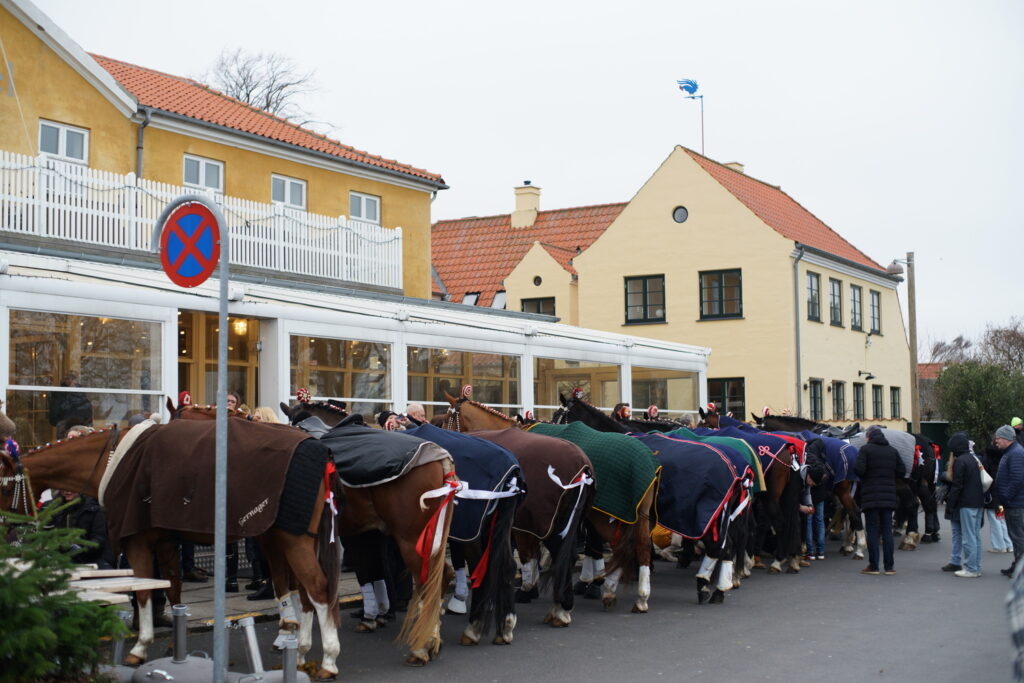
(732, 443)
(483, 466)
(538, 514)
(166, 479)
(770, 448)
(726, 421)
(839, 455)
(366, 457)
(697, 481)
(904, 443)
(624, 468)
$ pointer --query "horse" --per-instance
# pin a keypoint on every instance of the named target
(630, 541)
(399, 508)
(572, 409)
(80, 464)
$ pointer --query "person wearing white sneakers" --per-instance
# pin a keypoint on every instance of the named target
(967, 495)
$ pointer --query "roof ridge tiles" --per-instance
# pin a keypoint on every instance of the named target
(540, 213)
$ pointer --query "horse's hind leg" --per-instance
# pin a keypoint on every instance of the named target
(529, 560)
(642, 546)
(139, 550)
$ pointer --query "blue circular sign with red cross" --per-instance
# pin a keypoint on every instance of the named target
(190, 244)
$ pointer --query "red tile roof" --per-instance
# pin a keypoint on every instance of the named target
(929, 370)
(190, 98)
(476, 254)
(782, 213)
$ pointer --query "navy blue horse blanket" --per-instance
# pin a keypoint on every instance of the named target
(483, 466)
(698, 479)
(839, 455)
(769, 448)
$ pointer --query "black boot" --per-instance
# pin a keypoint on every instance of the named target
(265, 592)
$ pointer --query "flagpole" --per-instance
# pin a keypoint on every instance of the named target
(689, 87)
(702, 125)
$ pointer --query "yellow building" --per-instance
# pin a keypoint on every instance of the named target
(797, 318)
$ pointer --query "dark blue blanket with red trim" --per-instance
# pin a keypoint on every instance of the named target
(697, 480)
(839, 455)
(483, 466)
(726, 421)
(767, 446)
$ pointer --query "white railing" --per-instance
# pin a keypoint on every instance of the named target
(48, 198)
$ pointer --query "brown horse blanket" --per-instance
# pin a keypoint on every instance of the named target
(166, 479)
(537, 514)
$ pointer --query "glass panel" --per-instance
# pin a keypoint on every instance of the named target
(491, 375)
(371, 210)
(446, 362)
(213, 176)
(343, 369)
(44, 416)
(75, 145)
(277, 189)
(671, 390)
(599, 381)
(298, 192)
(418, 359)
(355, 206)
(192, 171)
(499, 300)
(634, 286)
(49, 139)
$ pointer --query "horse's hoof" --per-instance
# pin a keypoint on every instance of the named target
(500, 640)
(524, 597)
(555, 622)
(466, 640)
(132, 660)
(758, 564)
(703, 596)
(774, 570)
(608, 601)
(414, 660)
(637, 609)
(792, 570)
(366, 626)
(845, 551)
(325, 675)
(717, 598)
(381, 620)
(435, 651)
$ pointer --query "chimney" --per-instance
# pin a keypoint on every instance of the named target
(527, 204)
(734, 165)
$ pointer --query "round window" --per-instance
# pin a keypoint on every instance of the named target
(680, 214)
(537, 280)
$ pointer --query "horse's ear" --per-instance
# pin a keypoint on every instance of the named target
(700, 410)
(170, 405)
(451, 399)
(561, 398)
(286, 409)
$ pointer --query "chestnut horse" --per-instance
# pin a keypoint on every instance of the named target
(79, 464)
(631, 543)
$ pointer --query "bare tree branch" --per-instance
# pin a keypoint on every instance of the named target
(266, 80)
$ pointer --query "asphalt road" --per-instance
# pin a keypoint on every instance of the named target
(827, 623)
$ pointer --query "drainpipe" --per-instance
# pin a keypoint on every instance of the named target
(796, 328)
(147, 113)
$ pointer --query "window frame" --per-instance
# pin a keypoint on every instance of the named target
(473, 302)
(288, 181)
(876, 311)
(838, 400)
(856, 308)
(895, 403)
(858, 401)
(539, 300)
(720, 287)
(62, 141)
(877, 402)
(203, 161)
(363, 197)
(835, 302)
(813, 296)
(645, 293)
(718, 392)
(816, 388)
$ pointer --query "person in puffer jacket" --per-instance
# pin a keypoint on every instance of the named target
(878, 466)
(959, 445)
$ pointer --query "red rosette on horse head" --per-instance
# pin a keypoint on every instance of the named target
(184, 399)
(304, 395)
(577, 394)
(467, 391)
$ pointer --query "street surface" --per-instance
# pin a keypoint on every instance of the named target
(828, 623)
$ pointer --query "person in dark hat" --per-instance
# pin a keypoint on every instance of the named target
(817, 488)
(388, 420)
(879, 466)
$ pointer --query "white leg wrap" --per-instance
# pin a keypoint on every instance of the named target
(587, 570)
(598, 567)
(145, 630)
(530, 574)
(380, 591)
(677, 542)
(286, 609)
(707, 566)
(329, 638)
(725, 576)
(644, 582)
(545, 559)
(776, 565)
(611, 583)
(369, 601)
(305, 634)
(461, 584)
(507, 627)
(862, 544)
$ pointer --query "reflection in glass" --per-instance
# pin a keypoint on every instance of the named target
(599, 381)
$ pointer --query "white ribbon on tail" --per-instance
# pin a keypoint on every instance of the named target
(480, 494)
(449, 489)
(581, 481)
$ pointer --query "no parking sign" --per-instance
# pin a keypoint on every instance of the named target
(190, 239)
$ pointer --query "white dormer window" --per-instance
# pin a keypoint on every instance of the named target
(203, 173)
(470, 299)
(64, 142)
(288, 191)
(364, 207)
(499, 300)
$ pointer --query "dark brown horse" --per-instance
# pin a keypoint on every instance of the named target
(79, 465)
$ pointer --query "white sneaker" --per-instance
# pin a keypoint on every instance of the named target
(964, 574)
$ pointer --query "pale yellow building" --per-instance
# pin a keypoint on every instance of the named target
(797, 318)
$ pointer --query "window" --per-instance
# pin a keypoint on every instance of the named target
(894, 402)
(877, 413)
(876, 312)
(434, 372)
(835, 302)
(288, 191)
(551, 376)
(364, 207)
(813, 296)
(545, 305)
(498, 301)
(673, 391)
(838, 400)
(357, 372)
(721, 294)
(680, 214)
(64, 142)
(730, 394)
(817, 412)
(204, 173)
(471, 298)
(645, 299)
(856, 307)
(858, 401)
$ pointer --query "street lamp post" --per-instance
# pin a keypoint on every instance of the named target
(895, 269)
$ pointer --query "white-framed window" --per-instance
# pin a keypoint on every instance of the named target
(207, 174)
(288, 191)
(471, 298)
(62, 141)
(364, 207)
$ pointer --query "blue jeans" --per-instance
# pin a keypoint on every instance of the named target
(970, 529)
(816, 530)
(997, 532)
(875, 520)
(956, 552)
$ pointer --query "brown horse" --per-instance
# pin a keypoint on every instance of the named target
(79, 465)
(395, 508)
(631, 543)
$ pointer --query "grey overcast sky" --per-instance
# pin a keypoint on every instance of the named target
(897, 122)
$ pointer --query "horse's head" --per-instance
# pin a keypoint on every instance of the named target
(525, 420)
(709, 419)
(331, 411)
(466, 415)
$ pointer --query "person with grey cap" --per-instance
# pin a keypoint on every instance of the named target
(879, 466)
(1010, 486)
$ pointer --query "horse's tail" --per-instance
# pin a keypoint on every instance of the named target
(565, 558)
(423, 618)
(634, 540)
(329, 550)
(496, 591)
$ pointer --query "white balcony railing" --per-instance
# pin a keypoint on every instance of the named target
(48, 198)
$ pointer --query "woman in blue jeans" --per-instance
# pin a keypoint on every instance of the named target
(878, 466)
(967, 495)
(959, 446)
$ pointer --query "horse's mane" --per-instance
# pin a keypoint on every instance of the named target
(324, 405)
(488, 409)
(51, 444)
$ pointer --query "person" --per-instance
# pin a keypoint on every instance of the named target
(7, 432)
(87, 516)
(1018, 425)
(388, 421)
(686, 420)
(69, 407)
(814, 475)
(968, 498)
(959, 445)
(1010, 487)
(415, 415)
(265, 414)
(621, 411)
(879, 466)
(999, 537)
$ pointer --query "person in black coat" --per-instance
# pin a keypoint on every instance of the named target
(967, 495)
(998, 534)
(878, 466)
(87, 516)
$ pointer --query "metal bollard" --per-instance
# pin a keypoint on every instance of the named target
(118, 655)
(252, 649)
(290, 660)
(179, 615)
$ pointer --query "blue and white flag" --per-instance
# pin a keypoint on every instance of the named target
(688, 86)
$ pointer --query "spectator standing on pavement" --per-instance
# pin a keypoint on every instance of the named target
(1010, 487)
(999, 537)
(968, 497)
(1018, 426)
(959, 445)
(415, 415)
(87, 516)
(879, 466)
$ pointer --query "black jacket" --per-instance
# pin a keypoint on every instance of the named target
(878, 466)
(965, 491)
(88, 516)
(991, 460)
